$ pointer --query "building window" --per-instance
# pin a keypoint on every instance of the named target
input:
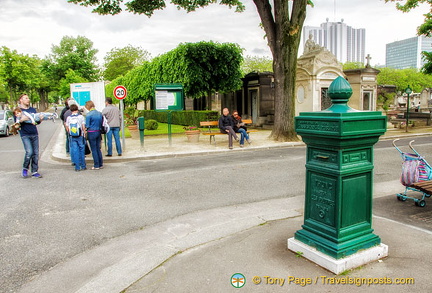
(367, 100)
(325, 99)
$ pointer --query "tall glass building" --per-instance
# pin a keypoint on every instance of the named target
(345, 42)
(407, 53)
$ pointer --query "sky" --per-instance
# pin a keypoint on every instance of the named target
(33, 26)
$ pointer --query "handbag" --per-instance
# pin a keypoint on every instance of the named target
(87, 148)
(104, 126)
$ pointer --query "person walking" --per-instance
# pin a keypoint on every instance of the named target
(112, 114)
(30, 139)
(93, 124)
(226, 125)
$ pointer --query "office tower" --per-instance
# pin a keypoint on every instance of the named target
(407, 53)
(345, 42)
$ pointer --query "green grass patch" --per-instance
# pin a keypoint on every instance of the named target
(163, 129)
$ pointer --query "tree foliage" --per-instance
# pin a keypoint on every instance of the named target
(71, 77)
(19, 72)
(425, 28)
(282, 21)
(202, 68)
(119, 61)
(402, 78)
(147, 7)
(427, 58)
(352, 65)
(77, 54)
(256, 64)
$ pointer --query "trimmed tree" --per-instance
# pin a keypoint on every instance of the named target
(203, 68)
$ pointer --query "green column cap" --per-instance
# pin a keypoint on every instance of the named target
(339, 92)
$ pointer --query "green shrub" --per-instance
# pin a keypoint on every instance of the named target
(185, 118)
(151, 124)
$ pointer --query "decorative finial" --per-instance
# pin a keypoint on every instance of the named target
(340, 91)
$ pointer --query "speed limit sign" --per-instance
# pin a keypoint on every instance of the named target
(120, 92)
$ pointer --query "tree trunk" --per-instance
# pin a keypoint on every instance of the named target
(283, 32)
(285, 65)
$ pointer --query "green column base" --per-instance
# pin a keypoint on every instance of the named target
(337, 250)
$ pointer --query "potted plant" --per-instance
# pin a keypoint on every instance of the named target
(192, 133)
(131, 117)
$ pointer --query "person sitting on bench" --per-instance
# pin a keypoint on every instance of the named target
(226, 125)
(239, 127)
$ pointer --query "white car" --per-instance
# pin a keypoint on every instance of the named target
(6, 122)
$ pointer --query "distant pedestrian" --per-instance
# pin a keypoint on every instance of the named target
(226, 125)
(75, 126)
(113, 116)
(93, 124)
(30, 138)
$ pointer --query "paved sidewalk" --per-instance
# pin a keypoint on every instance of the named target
(159, 146)
(202, 250)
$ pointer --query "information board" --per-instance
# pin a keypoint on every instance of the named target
(169, 97)
(83, 92)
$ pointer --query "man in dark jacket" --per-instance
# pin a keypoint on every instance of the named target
(62, 117)
(226, 125)
(30, 138)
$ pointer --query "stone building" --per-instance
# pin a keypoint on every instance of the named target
(316, 70)
(364, 84)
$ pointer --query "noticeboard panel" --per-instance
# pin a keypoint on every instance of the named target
(169, 97)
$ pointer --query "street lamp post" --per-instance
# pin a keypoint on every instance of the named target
(408, 91)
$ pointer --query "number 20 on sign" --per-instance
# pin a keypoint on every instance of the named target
(120, 92)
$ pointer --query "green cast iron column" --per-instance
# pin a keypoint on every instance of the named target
(339, 174)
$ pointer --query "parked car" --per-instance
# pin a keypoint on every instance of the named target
(6, 122)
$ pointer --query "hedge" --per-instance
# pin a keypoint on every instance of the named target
(180, 117)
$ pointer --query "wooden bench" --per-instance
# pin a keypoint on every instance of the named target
(211, 124)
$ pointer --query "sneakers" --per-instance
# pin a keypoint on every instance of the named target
(36, 175)
(25, 174)
(249, 141)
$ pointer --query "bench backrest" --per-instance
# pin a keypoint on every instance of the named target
(209, 124)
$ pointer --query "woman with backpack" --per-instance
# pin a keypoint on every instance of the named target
(75, 127)
(93, 123)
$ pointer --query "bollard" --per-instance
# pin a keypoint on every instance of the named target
(339, 181)
(141, 127)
